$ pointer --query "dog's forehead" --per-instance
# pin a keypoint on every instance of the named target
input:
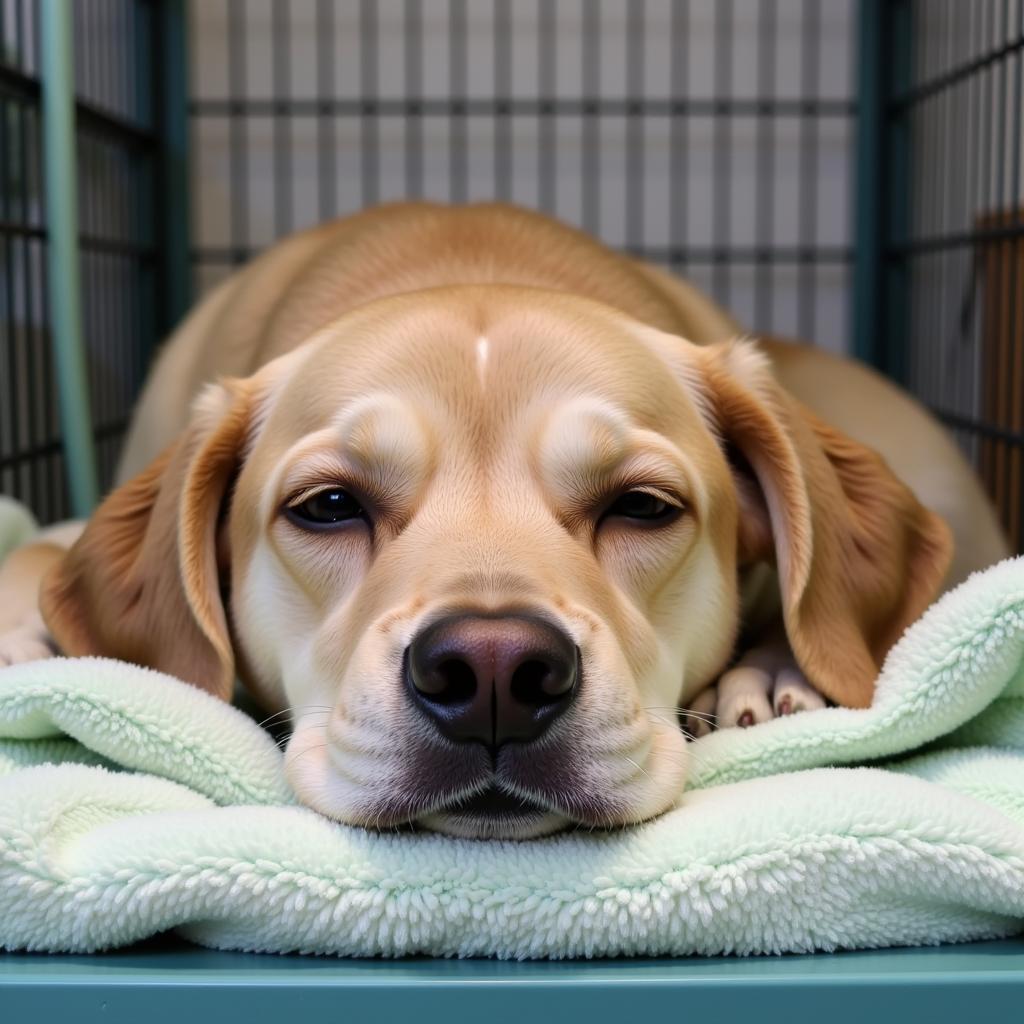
(478, 360)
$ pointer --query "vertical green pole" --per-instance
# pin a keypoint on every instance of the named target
(64, 284)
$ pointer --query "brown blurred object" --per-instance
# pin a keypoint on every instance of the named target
(1000, 262)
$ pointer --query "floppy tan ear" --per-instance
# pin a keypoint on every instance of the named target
(858, 557)
(141, 584)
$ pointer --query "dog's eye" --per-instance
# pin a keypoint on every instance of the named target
(325, 508)
(643, 506)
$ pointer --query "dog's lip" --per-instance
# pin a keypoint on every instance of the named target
(494, 803)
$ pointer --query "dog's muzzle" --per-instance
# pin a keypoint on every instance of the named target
(492, 679)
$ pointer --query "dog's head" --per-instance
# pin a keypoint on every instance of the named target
(481, 542)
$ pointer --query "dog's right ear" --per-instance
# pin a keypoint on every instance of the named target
(142, 582)
(859, 557)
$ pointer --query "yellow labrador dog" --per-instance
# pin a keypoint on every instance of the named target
(483, 502)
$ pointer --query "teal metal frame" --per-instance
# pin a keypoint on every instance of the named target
(881, 197)
(64, 291)
(171, 89)
(165, 982)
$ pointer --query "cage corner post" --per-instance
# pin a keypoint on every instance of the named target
(881, 196)
(170, 86)
(64, 272)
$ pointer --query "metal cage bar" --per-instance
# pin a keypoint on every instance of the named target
(684, 159)
(517, 104)
(64, 273)
(950, 263)
(130, 137)
(170, 85)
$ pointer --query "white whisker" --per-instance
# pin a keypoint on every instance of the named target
(637, 767)
(289, 710)
(306, 750)
(704, 716)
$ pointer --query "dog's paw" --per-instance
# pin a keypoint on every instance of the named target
(30, 641)
(748, 694)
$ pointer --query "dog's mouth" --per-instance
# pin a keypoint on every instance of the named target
(494, 814)
(494, 803)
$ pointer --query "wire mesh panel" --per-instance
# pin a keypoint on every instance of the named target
(711, 136)
(116, 151)
(957, 252)
(30, 465)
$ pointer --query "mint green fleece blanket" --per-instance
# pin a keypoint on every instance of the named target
(131, 803)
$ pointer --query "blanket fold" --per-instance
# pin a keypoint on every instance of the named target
(131, 803)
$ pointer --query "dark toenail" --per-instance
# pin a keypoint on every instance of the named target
(747, 718)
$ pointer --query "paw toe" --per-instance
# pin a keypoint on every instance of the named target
(743, 698)
(793, 694)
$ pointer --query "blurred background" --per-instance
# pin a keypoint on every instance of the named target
(845, 172)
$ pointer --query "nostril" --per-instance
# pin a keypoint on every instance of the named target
(528, 681)
(457, 682)
(539, 683)
(447, 681)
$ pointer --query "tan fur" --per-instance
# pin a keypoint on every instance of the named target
(142, 583)
(483, 379)
(859, 557)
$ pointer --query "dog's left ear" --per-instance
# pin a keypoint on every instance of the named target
(859, 558)
(142, 582)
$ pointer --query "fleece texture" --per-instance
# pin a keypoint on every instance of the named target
(132, 803)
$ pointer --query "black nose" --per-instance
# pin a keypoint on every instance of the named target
(491, 680)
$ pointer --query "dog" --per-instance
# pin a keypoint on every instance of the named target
(482, 504)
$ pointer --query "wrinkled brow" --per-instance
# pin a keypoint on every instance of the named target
(589, 449)
(379, 444)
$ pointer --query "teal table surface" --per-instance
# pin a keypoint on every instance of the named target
(166, 980)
